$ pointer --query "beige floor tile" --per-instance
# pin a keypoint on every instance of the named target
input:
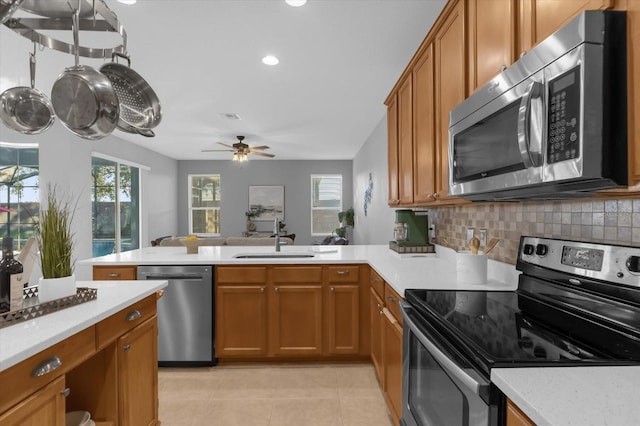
(306, 412)
(318, 382)
(244, 383)
(197, 387)
(357, 381)
(364, 412)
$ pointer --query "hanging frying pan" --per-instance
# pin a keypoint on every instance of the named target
(139, 105)
(25, 109)
(84, 99)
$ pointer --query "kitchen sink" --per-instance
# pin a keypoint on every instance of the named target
(274, 255)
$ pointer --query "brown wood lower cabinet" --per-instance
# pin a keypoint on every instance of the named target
(291, 311)
(515, 416)
(116, 382)
(376, 306)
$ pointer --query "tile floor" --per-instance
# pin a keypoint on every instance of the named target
(279, 395)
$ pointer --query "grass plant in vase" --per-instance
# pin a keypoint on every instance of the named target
(55, 242)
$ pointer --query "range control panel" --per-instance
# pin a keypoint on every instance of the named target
(620, 264)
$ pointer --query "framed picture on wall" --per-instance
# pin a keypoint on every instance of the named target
(266, 202)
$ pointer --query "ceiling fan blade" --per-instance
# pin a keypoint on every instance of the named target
(262, 154)
(259, 147)
(224, 144)
(217, 150)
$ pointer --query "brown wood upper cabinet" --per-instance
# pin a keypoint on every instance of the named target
(399, 125)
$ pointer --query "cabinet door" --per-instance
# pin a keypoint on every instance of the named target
(424, 152)
(296, 320)
(137, 359)
(405, 141)
(45, 407)
(241, 320)
(343, 318)
(515, 417)
(450, 61)
(392, 149)
(376, 306)
(541, 18)
(492, 39)
(392, 359)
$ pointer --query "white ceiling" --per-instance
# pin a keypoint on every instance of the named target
(339, 60)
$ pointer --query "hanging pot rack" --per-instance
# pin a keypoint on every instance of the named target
(55, 15)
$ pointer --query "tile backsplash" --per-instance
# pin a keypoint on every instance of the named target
(598, 220)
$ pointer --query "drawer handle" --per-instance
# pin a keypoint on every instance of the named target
(113, 274)
(133, 315)
(374, 280)
(343, 272)
(126, 347)
(47, 367)
(65, 392)
(391, 298)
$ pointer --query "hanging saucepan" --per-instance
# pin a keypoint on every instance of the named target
(7, 7)
(25, 109)
(139, 105)
(84, 99)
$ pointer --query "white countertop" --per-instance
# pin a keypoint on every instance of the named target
(19, 342)
(433, 271)
(580, 396)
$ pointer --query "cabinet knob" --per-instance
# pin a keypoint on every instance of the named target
(261, 289)
(126, 347)
(113, 274)
(436, 195)
(46, 367)
(277, 289)
(333, 289)
(380, 312)
(65, 392)
(133, 315)
(379, 306)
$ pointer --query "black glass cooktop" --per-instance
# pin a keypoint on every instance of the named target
(507, 329)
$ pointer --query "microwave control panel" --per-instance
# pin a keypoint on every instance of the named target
(563, 132)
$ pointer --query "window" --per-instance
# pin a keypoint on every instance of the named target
(115, 206)
(326, 202)
(204, 204)
(19, 199)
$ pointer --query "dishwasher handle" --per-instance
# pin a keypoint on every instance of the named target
(182, 277)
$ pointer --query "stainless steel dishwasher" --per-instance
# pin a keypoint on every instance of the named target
(185, 314)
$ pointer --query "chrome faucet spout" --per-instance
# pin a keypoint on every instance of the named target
(276, 231)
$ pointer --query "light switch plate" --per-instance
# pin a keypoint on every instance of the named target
(483, 237)
(470, 232)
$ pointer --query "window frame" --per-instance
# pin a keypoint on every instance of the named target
(339, 209)
(190, 207)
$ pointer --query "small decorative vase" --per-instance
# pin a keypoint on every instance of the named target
(56, 288)
(191, 245)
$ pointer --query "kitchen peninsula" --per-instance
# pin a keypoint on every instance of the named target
(436, 271)
(84, 357)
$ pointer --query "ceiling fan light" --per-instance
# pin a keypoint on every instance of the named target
(295, 3)
(270, 60)
(127, 1)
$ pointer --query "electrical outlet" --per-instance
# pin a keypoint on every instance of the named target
(470, 232)
(483, 237)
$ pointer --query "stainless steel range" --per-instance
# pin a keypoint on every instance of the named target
(576, 304)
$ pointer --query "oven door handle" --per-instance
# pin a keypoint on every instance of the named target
(450, 366)
(531, 106)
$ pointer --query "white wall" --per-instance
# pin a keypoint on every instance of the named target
(235, 180)
(65, 161)
(376, 227)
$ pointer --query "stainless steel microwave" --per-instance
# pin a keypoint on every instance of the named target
(553, 124)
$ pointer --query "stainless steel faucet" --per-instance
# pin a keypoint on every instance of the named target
(276, 230)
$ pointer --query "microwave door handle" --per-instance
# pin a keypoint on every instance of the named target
(531, 106)
(450, 366)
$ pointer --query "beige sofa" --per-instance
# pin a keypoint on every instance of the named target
(227, 241)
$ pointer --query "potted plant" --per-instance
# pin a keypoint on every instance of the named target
(55, 242)
(346, 224)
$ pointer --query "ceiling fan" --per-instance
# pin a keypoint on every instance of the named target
(241, 150)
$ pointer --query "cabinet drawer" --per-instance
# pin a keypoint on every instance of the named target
(115, 272)
(52, 362)
(241, 274)
(343, 274)
(297, 274)
(119, 323)
(377, 283)
(392, 302)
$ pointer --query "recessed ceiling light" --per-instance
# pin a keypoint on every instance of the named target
(270, 60)
(296, 3)
(127, 1)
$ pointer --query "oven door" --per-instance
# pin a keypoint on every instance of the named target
(440, 388)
